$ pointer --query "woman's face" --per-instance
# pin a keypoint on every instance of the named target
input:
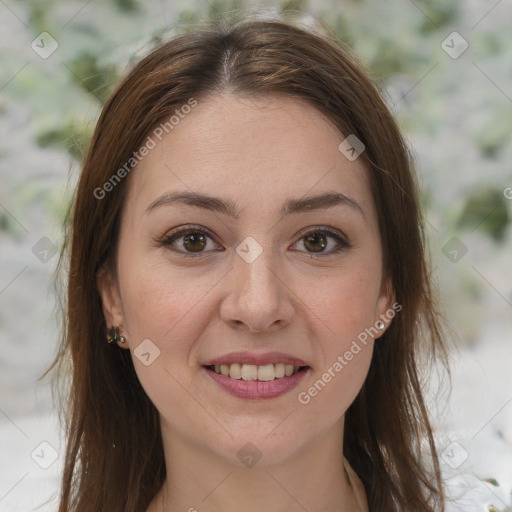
(277, 262)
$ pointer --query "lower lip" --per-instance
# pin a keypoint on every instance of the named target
(255, 389)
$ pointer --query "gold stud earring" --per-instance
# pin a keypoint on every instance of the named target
(113, 336)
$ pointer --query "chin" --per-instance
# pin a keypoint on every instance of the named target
(255, 445)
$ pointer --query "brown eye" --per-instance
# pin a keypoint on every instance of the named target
(316, 242)
(194, 242)
(189, 241)
(322, 242)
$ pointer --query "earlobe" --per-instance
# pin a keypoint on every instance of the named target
(386, 307)
(111, 303)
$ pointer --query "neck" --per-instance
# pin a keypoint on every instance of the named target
(313, 479)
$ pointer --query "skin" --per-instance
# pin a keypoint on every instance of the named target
(257, 153)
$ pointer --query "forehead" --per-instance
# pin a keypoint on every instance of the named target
(258, 151)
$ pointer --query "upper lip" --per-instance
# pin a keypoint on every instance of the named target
(256, 359)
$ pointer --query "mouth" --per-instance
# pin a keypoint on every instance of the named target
(253, 372)
(257, 376)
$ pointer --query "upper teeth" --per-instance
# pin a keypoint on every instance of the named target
(253, 372)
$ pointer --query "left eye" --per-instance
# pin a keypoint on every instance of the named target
(322, 241)
(190, 241)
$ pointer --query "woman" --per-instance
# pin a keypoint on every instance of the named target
(248, 289)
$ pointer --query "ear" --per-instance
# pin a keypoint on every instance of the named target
(387, 307)
(111, 302)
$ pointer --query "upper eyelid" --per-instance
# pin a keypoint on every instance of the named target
(183, 230)
(321, 229)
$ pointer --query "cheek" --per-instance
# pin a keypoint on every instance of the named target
(345, 304)
(345, 301)
(346, 308)
(168, 308)
(159, 300)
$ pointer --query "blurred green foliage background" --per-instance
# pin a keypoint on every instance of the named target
(456, 112)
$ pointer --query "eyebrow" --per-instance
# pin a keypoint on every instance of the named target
(228, 207)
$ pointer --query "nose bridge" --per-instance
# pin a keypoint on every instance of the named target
(257, 276)
(257, 296)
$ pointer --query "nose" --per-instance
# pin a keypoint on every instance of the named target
(258, 298)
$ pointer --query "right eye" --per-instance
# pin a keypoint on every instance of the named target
(190, 241)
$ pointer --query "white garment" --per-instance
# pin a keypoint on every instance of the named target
(465, 493)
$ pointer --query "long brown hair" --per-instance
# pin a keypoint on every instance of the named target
(114, 459)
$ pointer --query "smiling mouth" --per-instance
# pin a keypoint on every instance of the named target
(252, 372)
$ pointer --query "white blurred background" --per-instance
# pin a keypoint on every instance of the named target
(446, 70)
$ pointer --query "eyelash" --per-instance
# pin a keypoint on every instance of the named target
(171, 237)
